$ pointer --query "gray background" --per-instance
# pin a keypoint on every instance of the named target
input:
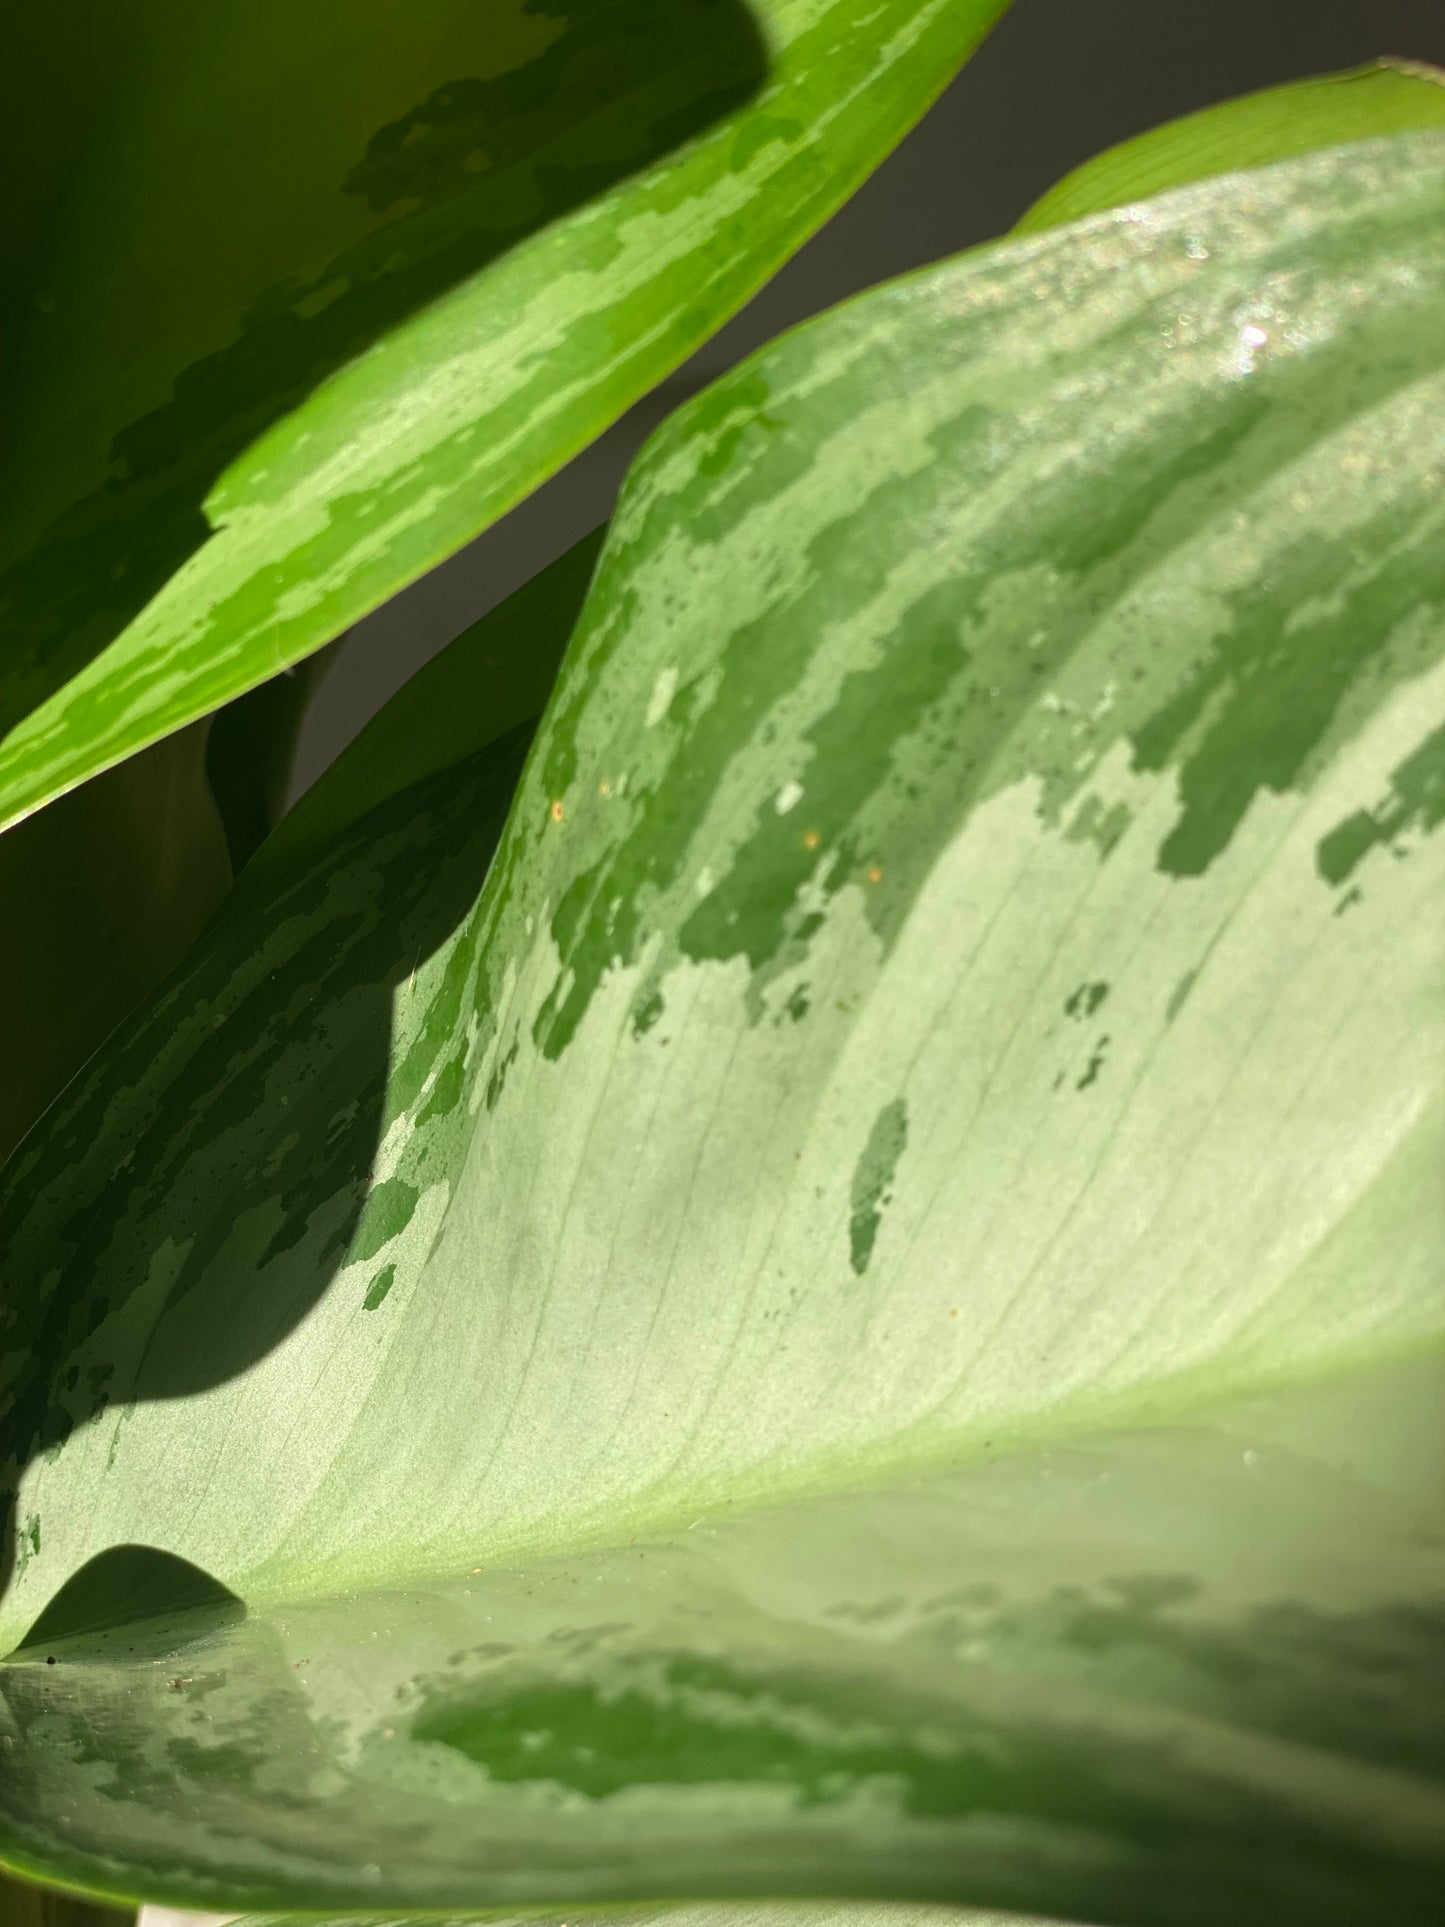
(1057, 81)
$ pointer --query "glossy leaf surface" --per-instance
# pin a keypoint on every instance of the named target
(22, 1905)
(860, 1318)
(298, 313)
(1384, 97)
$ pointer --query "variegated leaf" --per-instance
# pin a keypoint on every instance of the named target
(300, 306)
(859, 1319)
(1384, 97)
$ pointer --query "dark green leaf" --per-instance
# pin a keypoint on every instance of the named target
(302, 301)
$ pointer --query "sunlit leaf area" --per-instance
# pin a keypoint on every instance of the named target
(774, 1259)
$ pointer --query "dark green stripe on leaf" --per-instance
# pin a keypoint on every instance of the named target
(872, 1181)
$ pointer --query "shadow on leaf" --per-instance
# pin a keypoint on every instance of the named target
(245, 1107)
(128, 1588)
(471, 171)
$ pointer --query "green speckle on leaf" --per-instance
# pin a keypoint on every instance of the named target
(872, 1180)
(446, 1093)
(1177, 996)
(1092, 823)
(388, 1211)
(380, 1285)
(1094, 1065)
(497, 1082)
(1416, 801)
(1086, 999)
(1348, 901)
(647, 1013)
(27, 1543)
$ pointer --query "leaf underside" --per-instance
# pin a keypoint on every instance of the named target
(855, 1311)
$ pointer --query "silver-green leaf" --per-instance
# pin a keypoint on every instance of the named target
(859, 1318)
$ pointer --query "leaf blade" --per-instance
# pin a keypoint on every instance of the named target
(159, 592)
(493, 677)
(1255, 130)
(869, 1053)
(900, 1692)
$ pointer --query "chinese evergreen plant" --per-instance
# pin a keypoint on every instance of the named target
(779, 1255)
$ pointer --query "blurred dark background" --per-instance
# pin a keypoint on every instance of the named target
(1057, 81)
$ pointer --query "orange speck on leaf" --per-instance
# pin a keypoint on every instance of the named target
(604, 787)
(811, 839)
(954, 1312)
(875, 873)
(558, 810)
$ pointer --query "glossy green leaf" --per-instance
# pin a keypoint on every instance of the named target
(496, 676)
(309, 308)
(862, 1318)
(1276, 124)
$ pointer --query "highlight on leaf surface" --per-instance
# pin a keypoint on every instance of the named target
(301, 313)
(852, 1309)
